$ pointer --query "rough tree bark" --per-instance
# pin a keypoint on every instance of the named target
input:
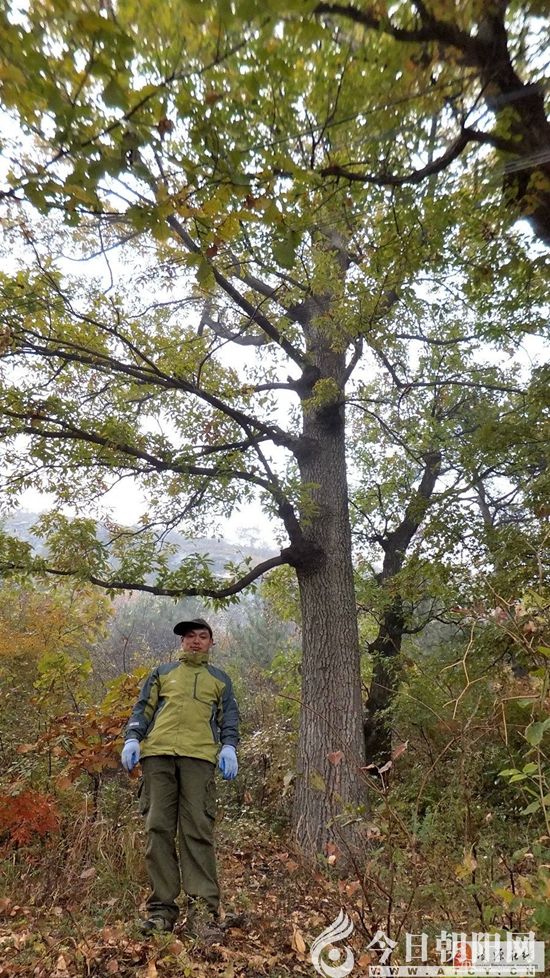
(331, 748)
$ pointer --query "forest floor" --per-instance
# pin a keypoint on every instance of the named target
(281, 908)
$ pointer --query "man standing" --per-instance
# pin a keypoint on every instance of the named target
(185, 712)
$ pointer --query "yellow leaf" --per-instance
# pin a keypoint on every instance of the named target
(466, 867)
(12, 73)
(230, 228)
(505, 895)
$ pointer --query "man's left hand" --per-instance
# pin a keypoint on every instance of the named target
(227, 762)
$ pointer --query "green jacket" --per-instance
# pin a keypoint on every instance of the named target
(186, 708)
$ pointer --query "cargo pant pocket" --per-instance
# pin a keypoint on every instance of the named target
(210, 804)
(143, 798)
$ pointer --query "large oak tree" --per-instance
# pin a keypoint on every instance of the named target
(312, 184)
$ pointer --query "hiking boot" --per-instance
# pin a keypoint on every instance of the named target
(155, 925)
(205, 928)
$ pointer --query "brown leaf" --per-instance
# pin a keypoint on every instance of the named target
(151, 970)
(257, 961)
(400, 749)
(385, 767)
(112, 934)
(88, 874)
(64, 781)
(176, 947)
(297, 941)
(366, 959)
(164, 126)
(112, 967)
(61, 965)
(5, 904)
(335, 757)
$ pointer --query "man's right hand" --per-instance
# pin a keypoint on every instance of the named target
(130, 754)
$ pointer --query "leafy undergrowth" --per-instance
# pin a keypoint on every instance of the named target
(279, 905)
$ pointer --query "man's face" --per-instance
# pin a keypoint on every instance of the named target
(197, 640)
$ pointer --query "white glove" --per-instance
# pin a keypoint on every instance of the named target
(130, 754)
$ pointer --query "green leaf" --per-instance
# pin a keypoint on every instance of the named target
(91, 23)
(80, 193)
(535, 732)
(530, 809)
(284, 250)
(204, 272)
(114, 95)
(139, 216)
(316, 781)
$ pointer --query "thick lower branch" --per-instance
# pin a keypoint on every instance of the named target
(115, 585)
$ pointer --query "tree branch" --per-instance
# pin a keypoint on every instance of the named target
(69, 432)
(466, 136)
(205, 592)
(431, 29)
(255, 315)
(150, 374)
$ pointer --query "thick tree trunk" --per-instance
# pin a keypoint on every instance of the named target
(329, 788)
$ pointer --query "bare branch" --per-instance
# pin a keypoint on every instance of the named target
(243, 339)
(255, 315)
(466, 136)
(431, 29)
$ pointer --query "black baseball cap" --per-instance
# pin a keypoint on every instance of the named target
(183, 627)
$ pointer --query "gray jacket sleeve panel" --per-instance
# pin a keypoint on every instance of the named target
(228, 711)
(144, 710)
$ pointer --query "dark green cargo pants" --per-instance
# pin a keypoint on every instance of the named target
(178, 797)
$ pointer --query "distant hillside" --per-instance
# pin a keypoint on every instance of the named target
(219, 551)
